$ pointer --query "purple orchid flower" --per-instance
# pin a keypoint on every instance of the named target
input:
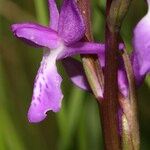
(140, 57)
(141, 45)
(60, 40)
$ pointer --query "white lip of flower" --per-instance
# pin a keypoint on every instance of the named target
(49, 57)
(55, 52)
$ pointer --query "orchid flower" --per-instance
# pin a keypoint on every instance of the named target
(141, 45)
(140, 56)
(60, 40)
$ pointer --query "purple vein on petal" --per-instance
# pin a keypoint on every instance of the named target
(47, 93)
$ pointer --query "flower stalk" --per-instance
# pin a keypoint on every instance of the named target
(93, 72)
(129, 122)
(109, 106)
(91, 63)
(128, 138)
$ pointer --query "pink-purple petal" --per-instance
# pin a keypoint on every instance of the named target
(83, 48)
(123, 82)
(54, 14)
(47, 93)
(141, 53)
(37, 35)
(71, 25)
(24, 25)
(76, 73)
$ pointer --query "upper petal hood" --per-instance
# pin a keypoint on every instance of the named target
(37, 35)
(71, 26)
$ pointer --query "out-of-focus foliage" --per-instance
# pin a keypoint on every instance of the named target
(77, 126)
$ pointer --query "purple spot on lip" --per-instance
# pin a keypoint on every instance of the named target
(41, 71)
(34, 85)
(40, 84)
(47, 86)
(40, 89)
(45, 65)
(34, 104)
(39, 99)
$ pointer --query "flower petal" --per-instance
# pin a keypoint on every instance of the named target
(76, 73)
(47, 93)
(83, 48)
(122, 82)
(71, 25)
(36, 35)
(141, 44)
(54, 14)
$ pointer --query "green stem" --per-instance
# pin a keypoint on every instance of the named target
(91, 64)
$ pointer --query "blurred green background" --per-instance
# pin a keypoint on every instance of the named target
(77, 125)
